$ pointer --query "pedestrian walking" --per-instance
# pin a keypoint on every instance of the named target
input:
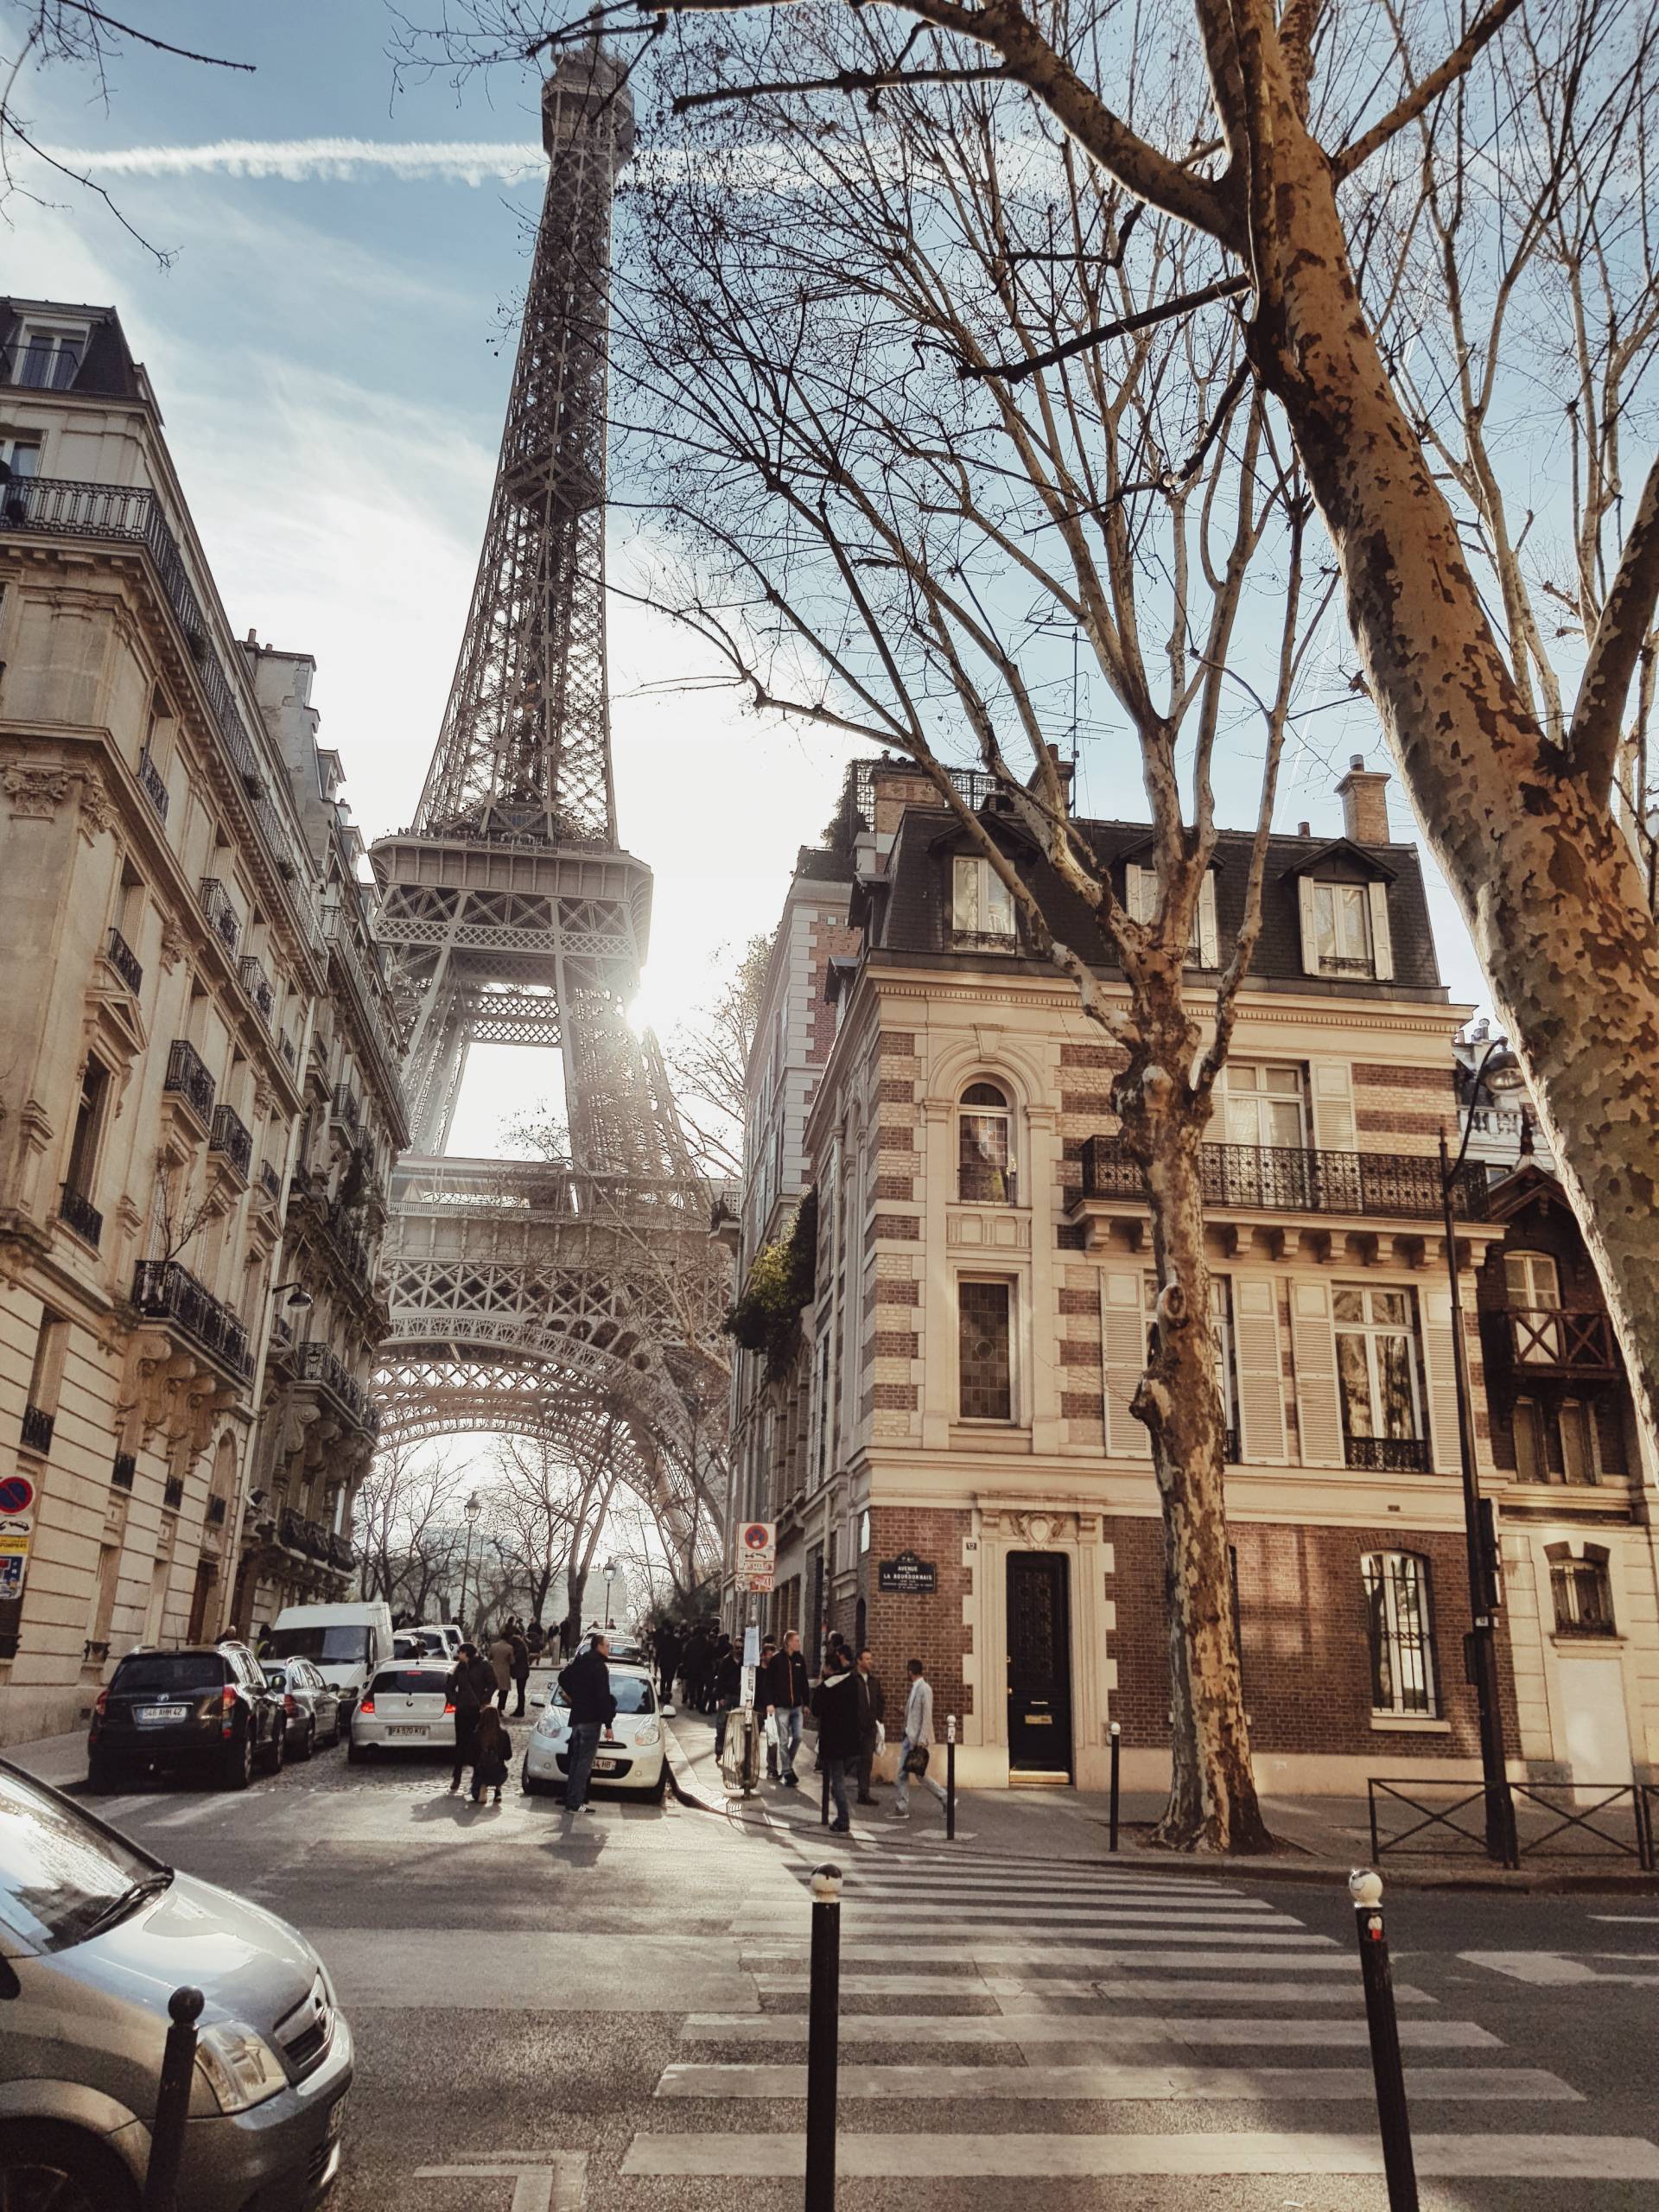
(587, 1684)
(520, 1644)
(728, 1683)
(836, 1703)
(666, 1646)
(468, 1686)
(536, 1637)
(695, 1667)
(787, 1687)
(501, 1661)
(872, 1712)
(762, 1673)
(491, 1748)
(918, 1742)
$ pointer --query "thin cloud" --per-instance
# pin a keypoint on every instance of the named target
(295, 160)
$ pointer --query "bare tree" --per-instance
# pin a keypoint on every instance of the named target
(1351, 167)
(397, 1522)
(707, 1056)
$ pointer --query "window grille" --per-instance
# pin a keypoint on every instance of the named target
(1401, 1634)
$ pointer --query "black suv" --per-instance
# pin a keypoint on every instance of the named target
(208, 1707)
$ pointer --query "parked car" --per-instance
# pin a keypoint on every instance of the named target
(630, 1757)
(315, 1708)
(405, 1708)
(344, 1642)
(207, 1709)
(448, 1637)
(95, 1935)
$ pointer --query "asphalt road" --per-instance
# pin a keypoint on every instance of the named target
(605, 2014)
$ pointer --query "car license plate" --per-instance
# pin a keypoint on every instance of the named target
(336, 2122)
(605, 1766)
(397, 1729)
(162, 1712)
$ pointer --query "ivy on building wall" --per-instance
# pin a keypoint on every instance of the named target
(766, 1318)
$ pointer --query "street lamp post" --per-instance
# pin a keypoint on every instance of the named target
(473, 1508)
(1479, 1546)
(610, 1577)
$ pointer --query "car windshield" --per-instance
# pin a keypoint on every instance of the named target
(408, 1682)
(59, 1873)
(330, 1647)
(633, 1694)
(171, 1673)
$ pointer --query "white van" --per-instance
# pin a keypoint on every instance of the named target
(345, 1644)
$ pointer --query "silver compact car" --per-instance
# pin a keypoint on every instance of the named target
(405, 1708)
(95, 1935)
(316, 1709)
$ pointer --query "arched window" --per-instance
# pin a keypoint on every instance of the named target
(984, 1146)
(1401, 1633)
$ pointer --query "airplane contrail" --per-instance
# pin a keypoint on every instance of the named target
(467, 160)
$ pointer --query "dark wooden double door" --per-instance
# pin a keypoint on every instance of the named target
(1039, 1663)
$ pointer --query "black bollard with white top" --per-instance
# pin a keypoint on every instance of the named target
(1112, 1817)
(950, 1778)
(823, 2040)
(1392, 2118)
(173, 2101)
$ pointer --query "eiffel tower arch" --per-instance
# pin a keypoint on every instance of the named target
(531, 1296)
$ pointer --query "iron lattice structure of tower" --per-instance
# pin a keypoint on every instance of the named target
(540, 1296)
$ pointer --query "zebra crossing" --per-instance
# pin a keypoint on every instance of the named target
(999, 2019)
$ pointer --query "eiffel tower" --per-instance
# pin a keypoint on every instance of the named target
(530, 1295)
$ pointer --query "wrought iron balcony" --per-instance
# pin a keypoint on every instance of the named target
(1559, 1341)
(153, 784)
(173, 1493)
(299, 1535)
(346, 1104)
(290, 1050)
(38, 1429)
(1285, 1179)
(216, 1510)
(163, 1291)
(270, 1182)
(126, 962)
(218, 913)
(231, 1137)
(319, 1364)
(257, 984)
(1388, 1455)
(341, 1553)
(81, 1215)
(125, 1468)
(187, 1078)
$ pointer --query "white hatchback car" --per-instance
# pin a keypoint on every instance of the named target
(630, 1757)
(404, 1708)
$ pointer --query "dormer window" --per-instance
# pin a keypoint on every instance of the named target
(1140, 898)
(981, 905)
(1345, 930)
(47, 357)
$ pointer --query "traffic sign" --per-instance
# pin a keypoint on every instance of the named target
(757, 1537)
(16, 1494)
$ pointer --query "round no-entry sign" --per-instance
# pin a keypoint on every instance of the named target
(16, 1494)
(757, 1536)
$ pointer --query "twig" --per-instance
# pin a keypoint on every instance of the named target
(1226, 288)
(1408, 110)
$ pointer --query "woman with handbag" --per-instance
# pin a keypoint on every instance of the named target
(918, 1738)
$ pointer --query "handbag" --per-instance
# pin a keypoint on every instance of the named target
(917, 1762)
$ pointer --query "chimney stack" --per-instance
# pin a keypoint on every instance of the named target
(1364, 793)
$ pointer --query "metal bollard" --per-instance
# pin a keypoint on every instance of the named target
(173, 2101)
(1392, 2118)
(1111, 1820)
(823, 2039)
(950, 1778)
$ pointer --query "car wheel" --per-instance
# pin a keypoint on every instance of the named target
(43, 2163)
(306, 1742)
(102, 1774)
(658, 1789)
(532, 1787)
(236, 1763)
(356, 1753)
(273, 1755)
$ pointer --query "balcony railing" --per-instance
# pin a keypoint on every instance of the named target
(216, 1510)
(1388, 1455)
(270, 1182)
(81, 1215)
(38, 1429)
(231, 1136)
(153, 784)
(341, 1553)
(296, 1534)
(319, 1363)
(346, 1104)
(1555, 1340)
(218, 913)
(65, 507)
(1285, 1179)
(257, 984)
(188, 1077)
(173, 1493)
(126, 962)
(163, 1291)
(123, 1471)
(290, 1050)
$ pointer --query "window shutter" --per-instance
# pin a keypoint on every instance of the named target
(1255, 1356)
(964, 911)
(1208, 938)
(1310, 933)
(1139, 892)
(1123, 1342)
(1439, 1362)
(1334, 1106)
(1382, 942)
(1314, 1343)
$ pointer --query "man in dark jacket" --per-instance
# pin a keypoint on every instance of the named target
(872, 1712)
(469, 1686)
(587, 1683)
(520, 1644)
(786, 1693)
(836, 1703)
(728, 1684)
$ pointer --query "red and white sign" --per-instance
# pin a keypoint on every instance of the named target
(757, 1554)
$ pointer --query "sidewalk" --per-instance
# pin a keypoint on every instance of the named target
(1320, 1839)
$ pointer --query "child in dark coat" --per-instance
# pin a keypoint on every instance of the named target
(491, 1748)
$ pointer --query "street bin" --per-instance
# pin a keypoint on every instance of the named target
(740, 1762)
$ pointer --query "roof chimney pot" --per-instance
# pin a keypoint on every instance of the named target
(1364, 795)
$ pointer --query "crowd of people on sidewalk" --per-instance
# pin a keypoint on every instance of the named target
(848, 1702)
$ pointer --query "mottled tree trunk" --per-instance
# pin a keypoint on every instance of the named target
(1545, 878)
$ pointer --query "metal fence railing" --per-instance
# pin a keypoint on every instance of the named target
(1565, 1822)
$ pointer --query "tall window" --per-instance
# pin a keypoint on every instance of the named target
(1582, 1590)
(985, 1351)
(1342, 929)
(1221, 1325)
(1376, 1373)
(82, 1167)
(1258, 1103)
(984, 1151)
(1534, 1289)
(981, 905)
(1553, 1443)
(49, 360)
(1401, 1631)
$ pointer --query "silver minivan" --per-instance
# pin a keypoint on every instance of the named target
(95, 1935)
